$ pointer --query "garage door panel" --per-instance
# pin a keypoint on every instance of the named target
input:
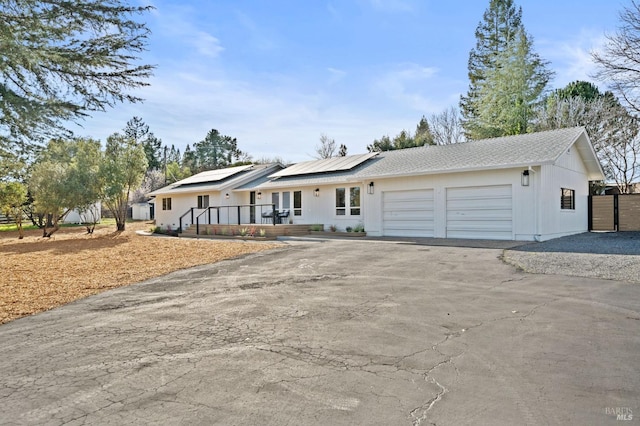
(479, 204)
(480, 212)
(408, 213)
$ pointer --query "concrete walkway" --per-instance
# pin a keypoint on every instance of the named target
(332, 332)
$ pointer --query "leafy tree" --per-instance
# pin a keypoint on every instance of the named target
(62, 60)
(326, 148)
(121, 171)
(613, 131)
(500, 23)
(13, 196)
(446, 127)
(176, 172)
(216, 151)
(510, 91)
(619, 62)
(65, 178)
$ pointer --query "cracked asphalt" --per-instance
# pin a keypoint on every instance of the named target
(332, 332)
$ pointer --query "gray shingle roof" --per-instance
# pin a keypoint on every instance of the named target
(496, 153)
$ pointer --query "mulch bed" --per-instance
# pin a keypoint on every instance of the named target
(38, 273)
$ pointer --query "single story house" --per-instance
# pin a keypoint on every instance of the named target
(525, 187)
(183, 202)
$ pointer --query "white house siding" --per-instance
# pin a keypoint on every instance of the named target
(320, 209)
(568, 172)
(182, 203)
(521, 202)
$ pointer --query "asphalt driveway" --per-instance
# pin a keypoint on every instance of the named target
(333, 332)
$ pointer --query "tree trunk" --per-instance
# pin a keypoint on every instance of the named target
(120, 226)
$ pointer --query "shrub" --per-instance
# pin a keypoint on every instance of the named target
(317, 227)
(263, 232)
(333, 228)
(358, 228)
(243, 232)
(349, 229)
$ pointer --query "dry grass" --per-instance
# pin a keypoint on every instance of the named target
(38, 274)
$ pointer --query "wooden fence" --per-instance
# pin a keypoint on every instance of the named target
(614, 212)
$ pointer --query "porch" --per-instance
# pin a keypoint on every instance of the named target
(249, 220)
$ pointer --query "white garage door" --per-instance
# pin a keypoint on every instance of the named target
(480, 212)
(408, 213)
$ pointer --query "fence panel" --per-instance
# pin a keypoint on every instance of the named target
(629, 212)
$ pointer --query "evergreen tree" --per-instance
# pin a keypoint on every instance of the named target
(216, 151)
(499, 26)
(137, 130)
(189, 159)
(510, 91)
(62, 60)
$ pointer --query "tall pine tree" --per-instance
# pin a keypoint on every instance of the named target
(510, 91)
(499, 26)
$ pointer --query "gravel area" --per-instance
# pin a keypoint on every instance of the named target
(611, 255)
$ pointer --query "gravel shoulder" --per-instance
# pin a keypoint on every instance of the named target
(612, 256)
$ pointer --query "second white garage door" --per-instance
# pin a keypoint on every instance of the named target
(480, 212)
(408, 213)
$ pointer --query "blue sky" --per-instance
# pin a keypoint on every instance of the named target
(277, 74)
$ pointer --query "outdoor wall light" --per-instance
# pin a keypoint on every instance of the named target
(259, 194)
(316, 193)
(370, 188)
(525, 178)
(226, 195)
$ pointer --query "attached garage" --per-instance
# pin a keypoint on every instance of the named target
(480, 212)
(408, 213)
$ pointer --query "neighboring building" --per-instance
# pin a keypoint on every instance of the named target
(525, 187)
(142, 211)
(92, 215)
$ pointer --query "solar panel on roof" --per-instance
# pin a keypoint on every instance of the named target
(214, 175)
(334, 164)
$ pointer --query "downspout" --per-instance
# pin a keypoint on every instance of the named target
(536, 208)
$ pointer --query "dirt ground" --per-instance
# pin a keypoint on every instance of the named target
(37, 274)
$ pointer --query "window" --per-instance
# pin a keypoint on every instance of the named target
(286, 200)
(354, 201)
(340, 202)
(166, 204)
(568, 199)
(297, 203)
(203, 201)
(275, 199)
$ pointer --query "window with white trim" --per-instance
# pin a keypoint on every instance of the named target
(568, 199)
(353, 206)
